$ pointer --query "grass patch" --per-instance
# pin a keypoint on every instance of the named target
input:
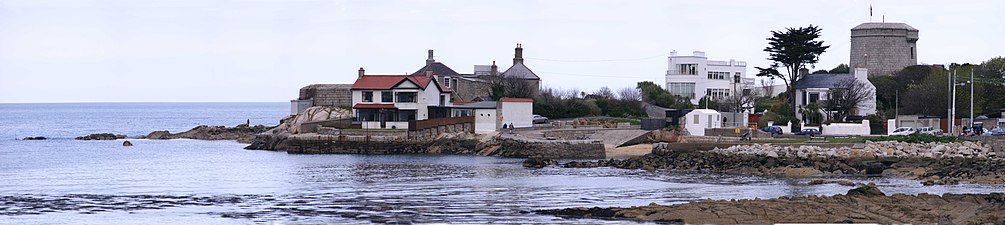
(917, 138)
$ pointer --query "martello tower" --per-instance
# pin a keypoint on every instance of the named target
(883, 48)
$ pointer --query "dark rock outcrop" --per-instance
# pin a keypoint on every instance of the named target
(127, 143)
(939, 170)
(241, 133)
(38, 138)
(102, 136)
(861, 205)
(539, 163)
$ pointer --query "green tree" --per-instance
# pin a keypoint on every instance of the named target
(792, 49)
(656, 95)
(841, 68)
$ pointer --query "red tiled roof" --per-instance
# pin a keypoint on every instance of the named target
(373, 106)
(516, 100)
(386, 82)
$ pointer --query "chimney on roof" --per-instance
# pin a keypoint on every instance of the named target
(518, 55)
(429, 60)
(429, 71)
(803, 71)
(495, 69)
(361, 72)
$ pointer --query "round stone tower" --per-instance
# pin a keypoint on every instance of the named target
(883, 48)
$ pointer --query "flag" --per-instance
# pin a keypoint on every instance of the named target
(870, 10)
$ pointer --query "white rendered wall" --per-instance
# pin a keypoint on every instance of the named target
(485, 120)
(520, 114)
(861, 129)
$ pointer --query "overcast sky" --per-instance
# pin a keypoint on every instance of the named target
(264, 51)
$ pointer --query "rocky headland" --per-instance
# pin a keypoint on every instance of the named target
(102, 136)
(947, 163)
(865, 204)
(241, 133)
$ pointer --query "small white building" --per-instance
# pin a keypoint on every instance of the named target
(695, 77)
(492, 115)
(698, 120)
(390, 101)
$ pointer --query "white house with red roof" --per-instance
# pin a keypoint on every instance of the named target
(390, 101)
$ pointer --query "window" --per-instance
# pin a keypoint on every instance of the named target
(717, 93)
(814, 97)
(687, 69)
(446, 81)
(681, 89)
(713, 75)
(695, 119)
(367, 96)
(406, 96)
(386, 96)
(443, 100)
(912, 52)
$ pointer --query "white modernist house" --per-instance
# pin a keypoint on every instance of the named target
(695, 77)
(390, 101)
(492, 115)
(698, 120)
(816, 88)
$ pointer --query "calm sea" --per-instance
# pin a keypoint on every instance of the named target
(65, 181)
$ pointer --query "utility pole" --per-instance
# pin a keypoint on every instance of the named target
(952, 116)
(972, 100)
(949, 104)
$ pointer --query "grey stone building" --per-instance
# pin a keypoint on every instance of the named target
(476, 85)
(883, 48)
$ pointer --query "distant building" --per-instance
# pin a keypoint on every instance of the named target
(883, 48)
(695, 77)
(476, 85)
(390, 101)
(816, 88)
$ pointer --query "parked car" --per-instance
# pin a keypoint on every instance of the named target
(772, 130)
(929, 131)
(903, 131)
(539, 119)
(809, 131)
(999, 131)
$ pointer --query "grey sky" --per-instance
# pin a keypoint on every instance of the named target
(204, 50)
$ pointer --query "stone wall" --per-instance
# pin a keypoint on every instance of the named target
(466, 89)
(550, 149)
(328, 94)
(357, 146)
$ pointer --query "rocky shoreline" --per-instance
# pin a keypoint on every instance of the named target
(242, 133)
(804, 161)
(865, 204)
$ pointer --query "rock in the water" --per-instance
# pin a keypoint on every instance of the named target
(34, 138)
(127, 143)
(161, 134)
(867, 190)
(538, 162)
(102, 136)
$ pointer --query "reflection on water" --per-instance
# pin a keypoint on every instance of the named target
(216, 182)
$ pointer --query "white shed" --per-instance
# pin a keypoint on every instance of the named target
(517, 111)
(698, 120)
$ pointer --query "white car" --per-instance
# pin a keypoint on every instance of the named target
(929, 131)
(903, 131)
